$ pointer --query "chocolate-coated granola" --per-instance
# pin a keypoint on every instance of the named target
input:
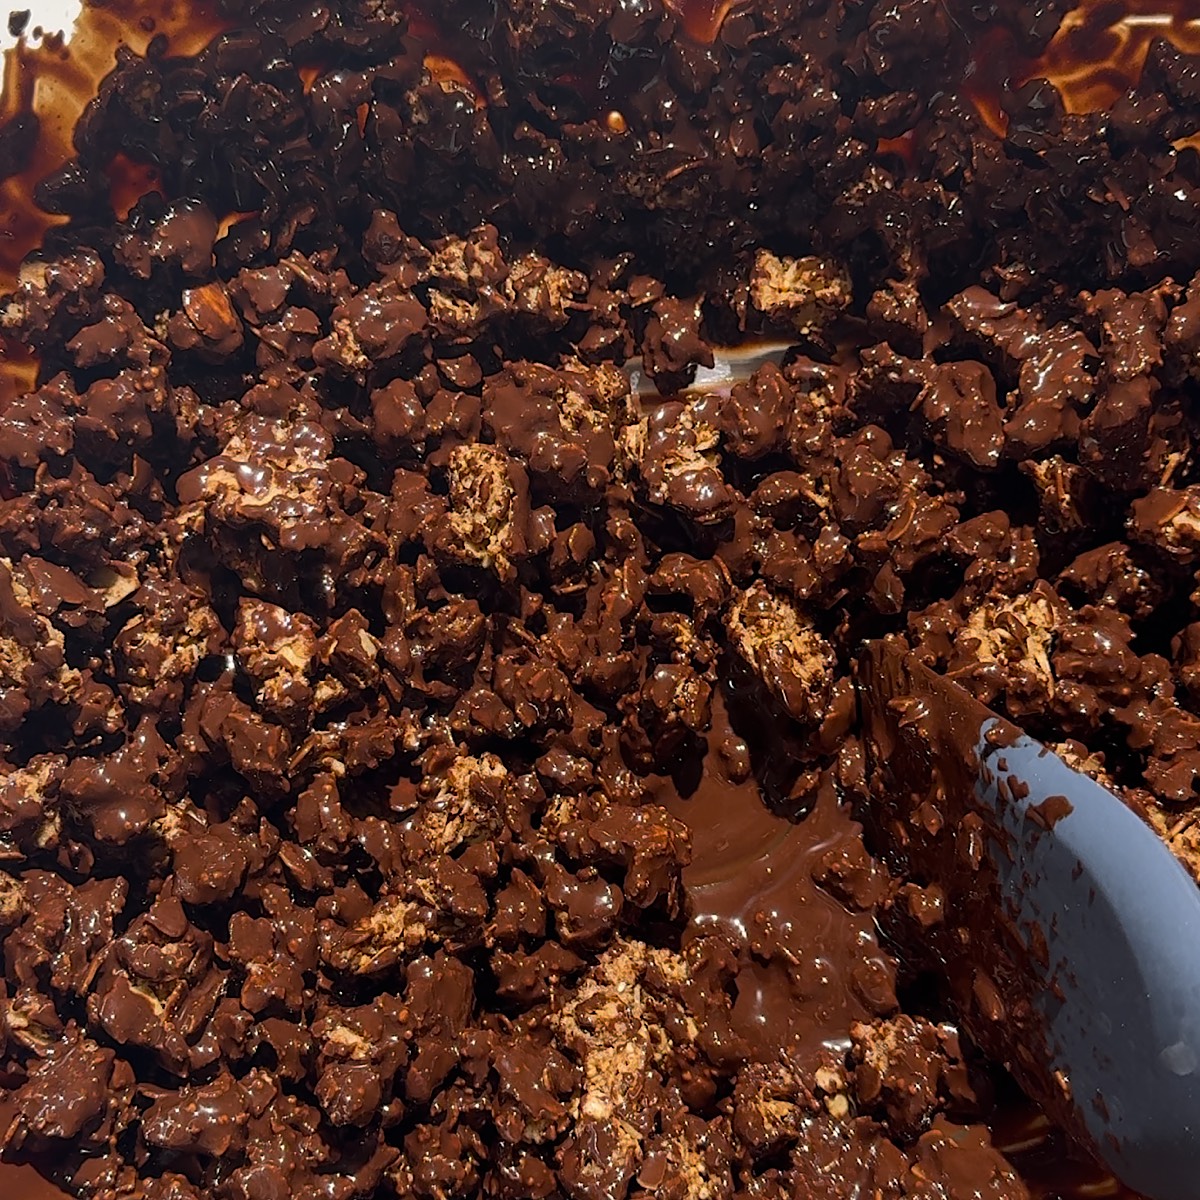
(429, 765)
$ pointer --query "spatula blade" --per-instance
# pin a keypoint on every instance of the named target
(1070, 935)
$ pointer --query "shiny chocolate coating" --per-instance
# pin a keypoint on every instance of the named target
(428, 768)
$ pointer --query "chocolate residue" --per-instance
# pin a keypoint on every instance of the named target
(1050, 811)
(428, 768)
(923, 761)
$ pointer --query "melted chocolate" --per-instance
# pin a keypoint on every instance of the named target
(431, 769)
(755, 880)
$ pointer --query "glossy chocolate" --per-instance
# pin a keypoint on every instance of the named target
(431, 769)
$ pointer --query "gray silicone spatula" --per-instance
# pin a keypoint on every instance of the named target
(731, 365)
(1068, 933)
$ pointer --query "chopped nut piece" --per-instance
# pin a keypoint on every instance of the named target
(387, 934)
(1017, 632)
(454, 815)
(33, 666)
(1181, 834)
(475, 260)
(613, 1022)
(158, 650)
(488, 505)
(680, 463)
(779, 642)
(278, 650)
(1059, 485)
(899, 1066)
(30, 818)
(1170, 520)
(12, 901)
(540, 288)
(803, 293)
